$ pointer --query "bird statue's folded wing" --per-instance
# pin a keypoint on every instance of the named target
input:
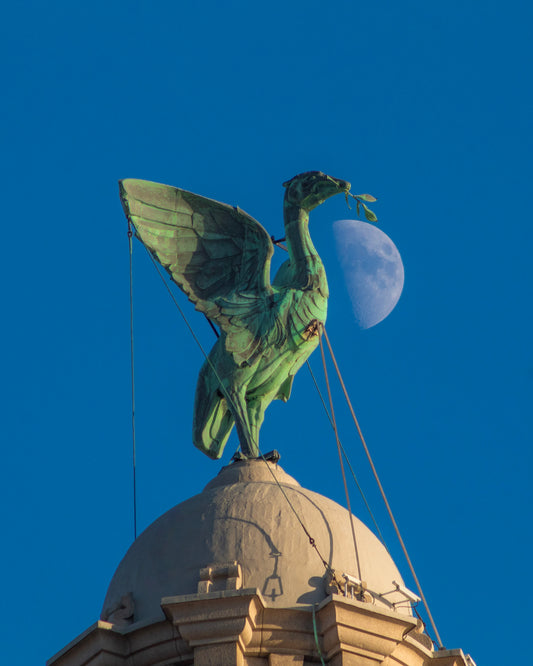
(217, 254)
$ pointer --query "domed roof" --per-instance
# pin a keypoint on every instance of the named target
(242, 515)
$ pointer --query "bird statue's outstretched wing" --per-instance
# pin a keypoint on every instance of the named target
(217, 254)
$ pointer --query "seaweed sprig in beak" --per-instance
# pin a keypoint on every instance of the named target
(360, 201)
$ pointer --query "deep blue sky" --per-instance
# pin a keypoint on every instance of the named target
(427, 106)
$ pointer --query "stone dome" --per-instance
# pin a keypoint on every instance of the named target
(243, 516)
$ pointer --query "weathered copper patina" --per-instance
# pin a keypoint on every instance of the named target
(220, 257)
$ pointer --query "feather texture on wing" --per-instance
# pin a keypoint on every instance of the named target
(217, 254)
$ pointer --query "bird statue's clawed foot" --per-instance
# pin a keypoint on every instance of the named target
(238, 456)
(271, 456)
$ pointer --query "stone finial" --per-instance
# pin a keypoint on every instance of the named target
(121, 615)
(220, 576)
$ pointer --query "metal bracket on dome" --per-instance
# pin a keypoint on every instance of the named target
(219, 577)
(356, 589)
(408, 596)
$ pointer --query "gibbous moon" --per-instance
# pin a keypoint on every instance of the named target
(372, 267)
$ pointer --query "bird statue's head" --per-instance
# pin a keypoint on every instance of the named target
(308, 190)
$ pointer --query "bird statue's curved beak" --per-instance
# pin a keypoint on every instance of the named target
(342, 185)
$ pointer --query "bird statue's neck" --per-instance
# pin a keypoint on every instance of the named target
(306, 266)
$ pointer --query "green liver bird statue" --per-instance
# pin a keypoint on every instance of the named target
(220, 257)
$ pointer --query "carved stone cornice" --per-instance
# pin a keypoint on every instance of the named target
(218, 626)
(237, 628)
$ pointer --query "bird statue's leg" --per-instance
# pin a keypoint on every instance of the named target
(220, 401)
(239, 409)
(256, 414)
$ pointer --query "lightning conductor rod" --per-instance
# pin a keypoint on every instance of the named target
(132, 365)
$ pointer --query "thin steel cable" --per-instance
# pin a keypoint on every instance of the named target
(396, 528)
(340, 448)
(196, 339)
(363, 496)
(381, 538)
(132, 365)
(312, 542)
(340, 454)
(339, 445)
